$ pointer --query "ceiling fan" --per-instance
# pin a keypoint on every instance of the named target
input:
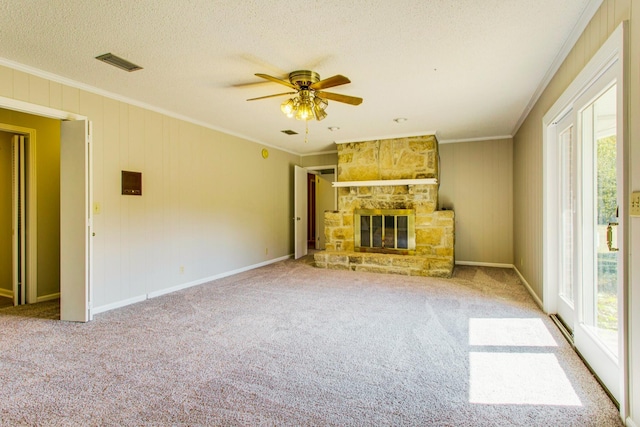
(310, 100)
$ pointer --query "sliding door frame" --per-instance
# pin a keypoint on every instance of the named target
(613, 50)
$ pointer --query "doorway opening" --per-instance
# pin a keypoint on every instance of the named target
(72, 266)
(18, 218)
(321, 197)
(309, 206)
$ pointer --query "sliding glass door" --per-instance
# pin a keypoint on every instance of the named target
(597, 332)
(589, 153)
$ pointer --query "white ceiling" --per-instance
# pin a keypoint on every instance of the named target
(464, 68)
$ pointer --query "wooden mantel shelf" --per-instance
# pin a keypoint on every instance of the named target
(383, 182)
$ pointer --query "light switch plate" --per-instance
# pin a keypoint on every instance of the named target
(635, 204)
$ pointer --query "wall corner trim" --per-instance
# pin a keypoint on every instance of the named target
(526, 284)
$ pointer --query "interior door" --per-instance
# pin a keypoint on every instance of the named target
(18, 220)
(300, 211)
(598, 332)
(75, 221)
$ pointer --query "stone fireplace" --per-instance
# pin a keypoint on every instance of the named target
(387, 219)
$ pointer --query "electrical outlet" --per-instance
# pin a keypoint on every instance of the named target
(635, 204)
(181, 269)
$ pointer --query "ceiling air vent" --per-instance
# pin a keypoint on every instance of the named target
(116, 61)
(289, 132)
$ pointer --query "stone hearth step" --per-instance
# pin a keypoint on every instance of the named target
(409, 265)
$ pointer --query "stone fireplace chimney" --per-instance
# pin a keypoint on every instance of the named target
(387, 219)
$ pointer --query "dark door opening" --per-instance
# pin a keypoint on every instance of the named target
(311, 211)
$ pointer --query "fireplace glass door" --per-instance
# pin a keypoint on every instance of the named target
(389, 231)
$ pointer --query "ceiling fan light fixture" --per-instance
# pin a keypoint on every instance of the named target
(310, 99)
(320, 103)
(320, 114)
(287, 107)
(305, 110)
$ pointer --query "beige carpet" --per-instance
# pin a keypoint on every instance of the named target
(289, 344)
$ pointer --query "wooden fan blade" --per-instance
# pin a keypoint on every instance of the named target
(336, 80)
(271, 96)
(353, 100)
(277, 80)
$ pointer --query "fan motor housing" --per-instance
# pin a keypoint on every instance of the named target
(304, 78)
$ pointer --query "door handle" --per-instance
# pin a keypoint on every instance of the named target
(610, 237)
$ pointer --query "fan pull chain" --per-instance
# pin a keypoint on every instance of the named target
(306, 133)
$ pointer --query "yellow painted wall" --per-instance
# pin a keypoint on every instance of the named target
(5, 214)
(476, 181)
(48, 190)
(320, 160)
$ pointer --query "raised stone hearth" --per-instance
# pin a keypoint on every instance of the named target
(412, 160)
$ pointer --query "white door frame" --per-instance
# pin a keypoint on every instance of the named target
(313, 169)
(53, 113)
(611, 51)
(32, 204)
(300, 214)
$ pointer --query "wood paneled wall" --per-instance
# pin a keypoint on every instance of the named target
(477, 183)
(528, 169)
(211, 204)
(527, 160)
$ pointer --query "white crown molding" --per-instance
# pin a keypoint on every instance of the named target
(92, 89)
(587, 14)
(319, 153)
(482, 138)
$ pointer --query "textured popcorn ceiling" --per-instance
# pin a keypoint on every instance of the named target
(463, 68)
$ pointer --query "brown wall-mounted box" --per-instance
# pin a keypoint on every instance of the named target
(132, 183)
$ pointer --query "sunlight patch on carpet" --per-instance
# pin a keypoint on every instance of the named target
(519, 379)
(510, 332)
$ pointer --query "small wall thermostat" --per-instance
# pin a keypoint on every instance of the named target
(635, 203)
(131, 183)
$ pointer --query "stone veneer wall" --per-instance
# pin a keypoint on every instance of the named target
(402, 158)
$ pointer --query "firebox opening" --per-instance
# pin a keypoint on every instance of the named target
(385, 231)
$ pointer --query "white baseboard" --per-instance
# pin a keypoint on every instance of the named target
(6, 293)
(48, 297)
(120, 304)
(630, 423)
(484, 264)
(215, 277)
(530, 289)
(524, 282)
